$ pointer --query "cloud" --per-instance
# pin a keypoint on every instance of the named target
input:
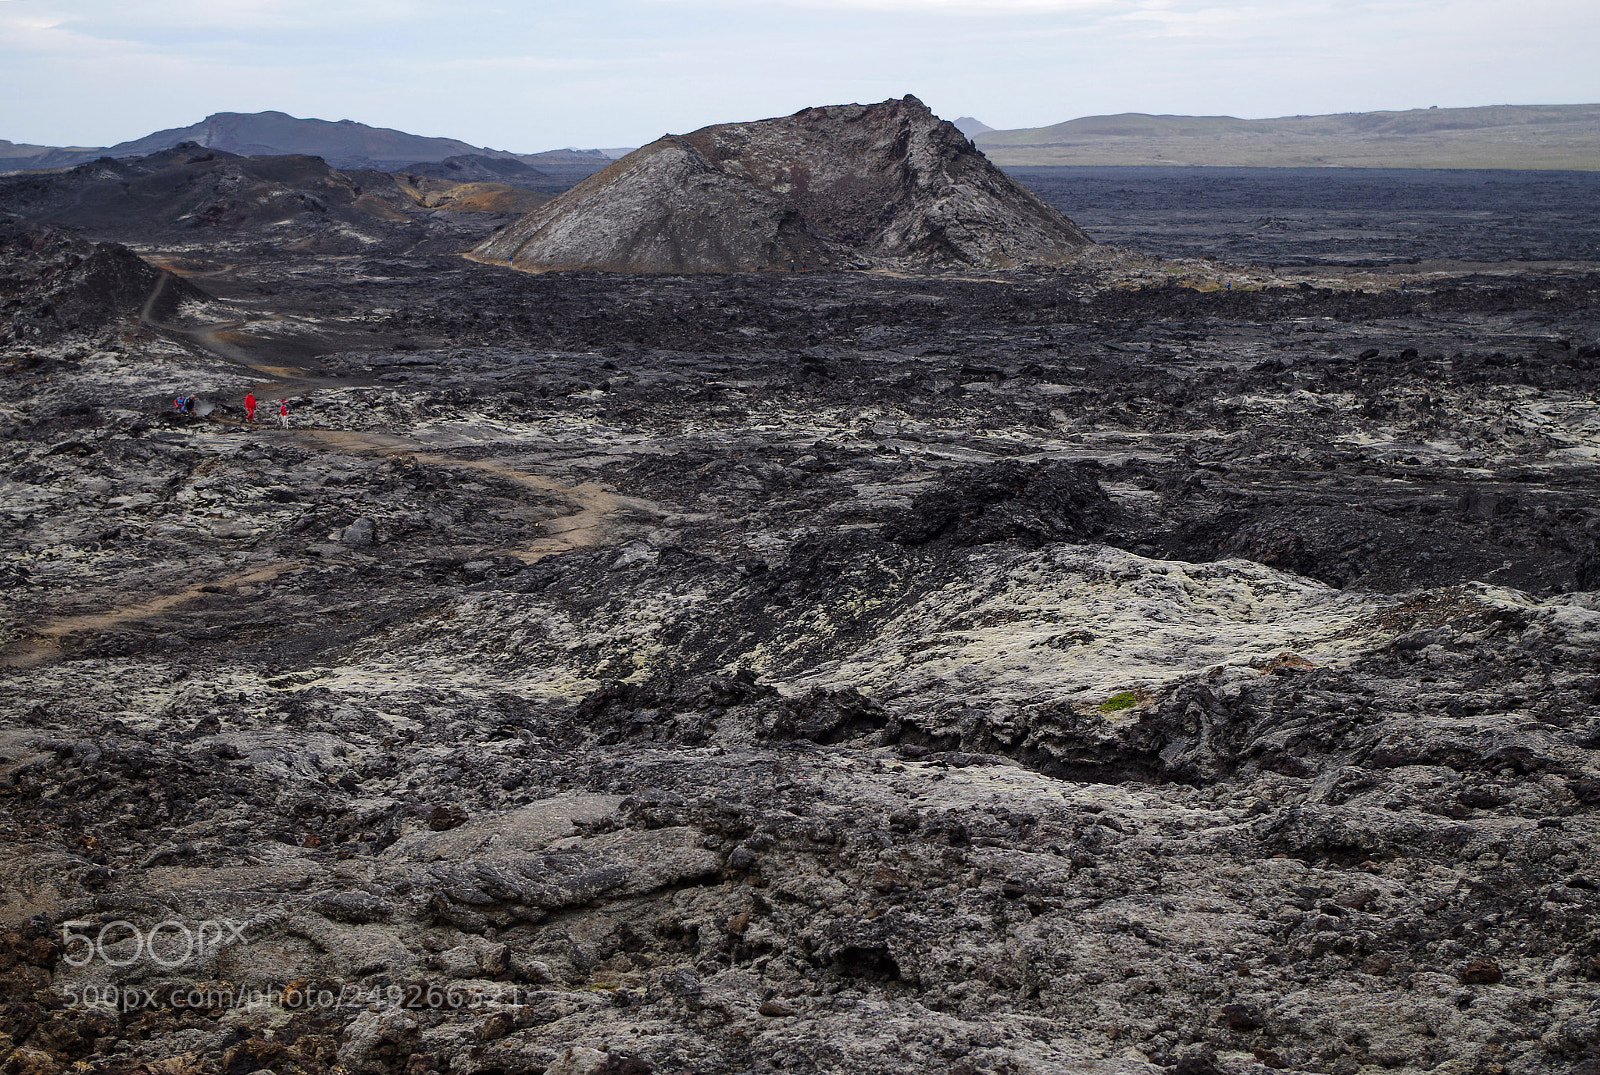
(151, 17)
(525, 64)
(1234, 21)
(31, 34)
(303, 13)
(929, 7)
(611, 72)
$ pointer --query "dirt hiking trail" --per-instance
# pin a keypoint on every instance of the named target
(588, 523)
(592, 502)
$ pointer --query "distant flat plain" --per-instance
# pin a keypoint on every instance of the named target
(1332, 216)
(1497, 136)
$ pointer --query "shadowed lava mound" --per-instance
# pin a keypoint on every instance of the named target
(856, 186)
(476, 168)
(479, 184)
(1008, 501)
(191, 194)
(52, 283)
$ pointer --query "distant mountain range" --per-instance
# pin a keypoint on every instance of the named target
(1497, 136)
(21, 155)
(343, 144)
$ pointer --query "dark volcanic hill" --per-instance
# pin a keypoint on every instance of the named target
(20, 155)
(846, 185)
(191, 186)
(477, 168)
(343, 144)
(53, 283)
(192, 194)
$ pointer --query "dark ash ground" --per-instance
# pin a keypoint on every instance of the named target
(1096, 671)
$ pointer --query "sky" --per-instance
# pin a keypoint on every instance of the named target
(543, 74)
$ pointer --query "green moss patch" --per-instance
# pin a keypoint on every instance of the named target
(1119, 701)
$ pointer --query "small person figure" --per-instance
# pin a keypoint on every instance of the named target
(249, 406)
(283, 413)
(188, 405)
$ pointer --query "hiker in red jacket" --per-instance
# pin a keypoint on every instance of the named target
(249, 406)
(283, 413)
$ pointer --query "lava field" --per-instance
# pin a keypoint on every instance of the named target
(1144, 666)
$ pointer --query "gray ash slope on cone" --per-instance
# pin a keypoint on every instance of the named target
(888, 184)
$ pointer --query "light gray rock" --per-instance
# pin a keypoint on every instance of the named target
(364, 531)
(459, 962)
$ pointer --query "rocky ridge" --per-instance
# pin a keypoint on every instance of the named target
(475, 168)
(346, 143)
(224, 200)
(55, 284)
(888, 184)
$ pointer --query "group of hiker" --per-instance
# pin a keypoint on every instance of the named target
(187, 404)
(250, 409)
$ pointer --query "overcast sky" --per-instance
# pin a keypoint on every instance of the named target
(541, 74)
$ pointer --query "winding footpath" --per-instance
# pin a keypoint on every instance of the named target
(591, 519)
